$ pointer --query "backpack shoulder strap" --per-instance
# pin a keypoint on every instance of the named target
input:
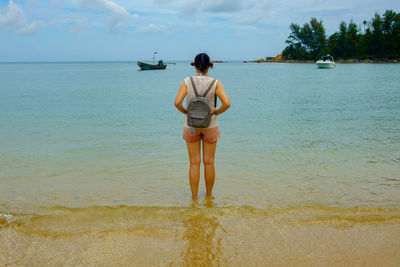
(194, 87)
(209, 88)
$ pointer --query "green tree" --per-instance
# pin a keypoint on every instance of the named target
(342, 44)
(380, 38)
(295, 51)
(396, 34)
(376, 40)
(389, 25)
(364, 24)
(295, 48)
(307, 42)
(352, 40)
(334, 45)
(318, 40)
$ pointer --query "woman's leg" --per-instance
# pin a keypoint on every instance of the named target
(209, 168)
(194, 169)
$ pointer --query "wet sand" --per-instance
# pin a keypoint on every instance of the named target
(202, 237)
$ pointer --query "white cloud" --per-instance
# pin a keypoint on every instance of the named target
(191, 6)
(81, 25)
(14, 18)
(218, 6)
(250, 20)
(56, 3)
(151, 29)
(31, 28)
(107, 5)
(212, 6)
(161, 2)
(120, 17)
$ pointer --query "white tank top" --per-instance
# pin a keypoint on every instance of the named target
(202, 83)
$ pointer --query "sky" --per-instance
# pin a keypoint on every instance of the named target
(122, 30)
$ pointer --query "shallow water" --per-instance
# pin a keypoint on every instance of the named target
(94, 147)
(84, 134)
(203, 235)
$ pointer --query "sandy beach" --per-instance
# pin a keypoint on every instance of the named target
(203, 236)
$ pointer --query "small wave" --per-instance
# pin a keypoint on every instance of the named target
(71, 221)
(7, 218)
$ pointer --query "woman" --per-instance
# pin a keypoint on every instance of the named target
(207, 136)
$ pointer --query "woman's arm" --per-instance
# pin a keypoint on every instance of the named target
(220, 92)
(179, 98)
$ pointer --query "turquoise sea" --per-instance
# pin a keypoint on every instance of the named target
(94, 171)
(85, 134)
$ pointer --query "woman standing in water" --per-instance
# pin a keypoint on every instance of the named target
(207, 136)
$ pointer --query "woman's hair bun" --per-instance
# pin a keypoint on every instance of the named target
(202, 62)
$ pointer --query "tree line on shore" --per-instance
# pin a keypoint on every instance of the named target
(378, 38)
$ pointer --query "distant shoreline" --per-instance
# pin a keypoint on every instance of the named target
(336, 61)
(216, 61)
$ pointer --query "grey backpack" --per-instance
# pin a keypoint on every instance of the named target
(199, 110)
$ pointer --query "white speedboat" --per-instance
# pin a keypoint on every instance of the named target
(326, 62)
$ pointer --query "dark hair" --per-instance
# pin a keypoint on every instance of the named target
(202, 62)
